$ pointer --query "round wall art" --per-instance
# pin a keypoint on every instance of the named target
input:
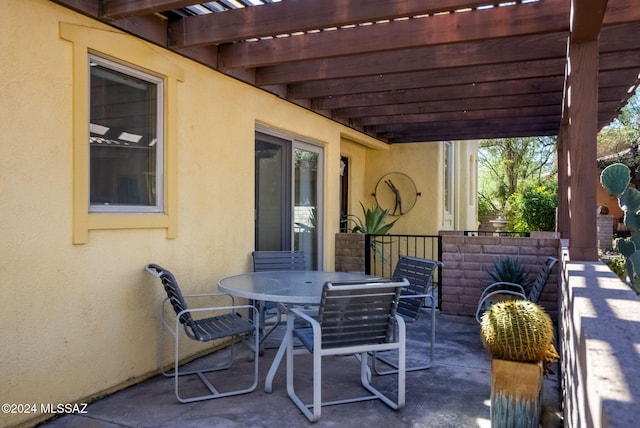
(396, 192)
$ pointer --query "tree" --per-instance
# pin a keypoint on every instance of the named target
(618, 142)
(507, 163)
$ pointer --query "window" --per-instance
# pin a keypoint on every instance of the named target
(448, 178)
(125, 139)
(137, 175)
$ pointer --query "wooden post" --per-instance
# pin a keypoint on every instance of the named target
(581, 150)
(581, 119)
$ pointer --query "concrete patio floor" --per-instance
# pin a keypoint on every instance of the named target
(455, 392)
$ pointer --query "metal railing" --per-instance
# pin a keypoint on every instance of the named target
(381, 253)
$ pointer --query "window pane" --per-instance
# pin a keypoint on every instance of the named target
(306, 204)
(124, 141)
(272, 193)
(448, 171)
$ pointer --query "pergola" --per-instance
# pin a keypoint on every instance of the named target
(423, 71)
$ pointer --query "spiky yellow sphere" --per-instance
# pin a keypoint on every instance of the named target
(518, 330)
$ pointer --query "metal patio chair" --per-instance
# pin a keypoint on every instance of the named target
(273, 261)
(500, 291)
(353, 318)
(418, 295)
(219, 322)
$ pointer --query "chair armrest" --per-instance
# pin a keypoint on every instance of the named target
(401, 329)
(218, 308)
(169, 314)
(499, 286)
(415, 296)
(311, 343)
(300, 314)
(209, 295)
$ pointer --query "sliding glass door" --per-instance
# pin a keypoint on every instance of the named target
(288, 198)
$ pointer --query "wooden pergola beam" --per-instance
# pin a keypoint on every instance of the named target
(502, 102)
(530, 18)
(463, 91)
(427, 79)
(295, 16)
(465, 54)
(418, 118)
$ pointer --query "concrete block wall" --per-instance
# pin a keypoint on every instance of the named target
(604, 224)
(467, 260)
(349, 255)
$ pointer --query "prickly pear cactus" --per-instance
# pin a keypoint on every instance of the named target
(615, 179)
(518, 330)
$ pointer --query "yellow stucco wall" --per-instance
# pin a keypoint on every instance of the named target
(81, 319)
(423, 163)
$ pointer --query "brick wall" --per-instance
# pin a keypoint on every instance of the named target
(349, 252)
(604, 224)
(467, 259)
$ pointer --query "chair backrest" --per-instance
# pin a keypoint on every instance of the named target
(278, 260)
(358, 313)
(174, 296)
(419, 272)
(541, 280)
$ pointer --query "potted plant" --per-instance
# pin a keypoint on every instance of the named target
(603, 209)
(518, 335)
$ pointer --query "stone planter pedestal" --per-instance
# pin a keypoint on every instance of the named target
(349, 252)
(604, 224)
(516, 394)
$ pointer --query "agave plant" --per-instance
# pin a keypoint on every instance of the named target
(375, 223)
(509, 269)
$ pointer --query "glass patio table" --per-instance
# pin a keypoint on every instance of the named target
(293, 287)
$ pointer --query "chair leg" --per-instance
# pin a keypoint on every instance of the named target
(365, 375)
(365, 378)
(317, 370)
(430, 356)
(214, 393)
(266, 331)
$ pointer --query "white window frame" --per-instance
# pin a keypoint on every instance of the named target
(448, 179)
(159, 144)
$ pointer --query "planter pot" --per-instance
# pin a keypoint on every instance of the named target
(516, 394)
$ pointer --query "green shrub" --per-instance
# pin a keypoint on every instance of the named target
(617, 264)
(534, 208)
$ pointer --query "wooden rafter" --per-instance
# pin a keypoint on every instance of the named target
(448, 28)
(295, 16)
(438, 69)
